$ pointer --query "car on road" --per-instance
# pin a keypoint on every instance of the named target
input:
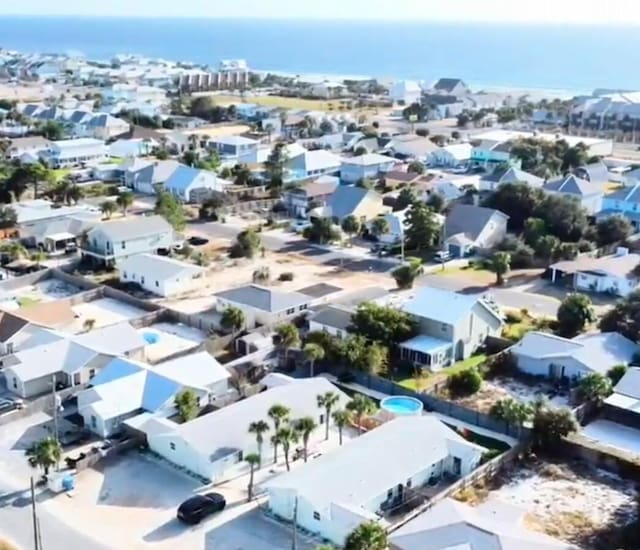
(7, 405)
(196, 508)
(197, 241)
(299, 225)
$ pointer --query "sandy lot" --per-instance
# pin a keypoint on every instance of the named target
(48, 290)
(565, 502)
(172, 338)
(105, 311)
(504, 388)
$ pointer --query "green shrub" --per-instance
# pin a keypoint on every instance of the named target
(616, 373)
(466, 382)
(501, 364)
(286, 276)
(513, 317)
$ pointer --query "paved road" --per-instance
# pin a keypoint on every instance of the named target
(537, 304)
(291, 243)
(16, 524)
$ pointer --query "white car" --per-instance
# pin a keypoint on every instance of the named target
(300, 225)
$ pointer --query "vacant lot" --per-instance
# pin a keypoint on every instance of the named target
(284, 102)
(48, 290)
(570, 502)
(105, 311)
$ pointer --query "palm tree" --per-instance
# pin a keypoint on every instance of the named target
(313, 352)
(38, 257)
(13, 250)
(341, 418)
(124, 201)
(47, 453)
(367, 536)
(327, 401)
(108, 208)
(278, 414)
(232, 319)
(285, 436)
(88, 324)
(259, 428)
(305, 426)
(360, 405)
(288, 337)
(253, 459)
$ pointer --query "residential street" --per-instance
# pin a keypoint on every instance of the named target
(16, 524)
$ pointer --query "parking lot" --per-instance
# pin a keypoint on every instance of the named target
(131, 502)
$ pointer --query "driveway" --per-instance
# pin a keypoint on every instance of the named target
(252, 531)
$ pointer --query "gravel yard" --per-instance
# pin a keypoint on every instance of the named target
(567, 502)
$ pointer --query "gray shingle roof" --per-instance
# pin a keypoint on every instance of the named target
(132, 228)
(595, 172)
(265, 299)
(469, 220)
(447, 84)
(573, 185)
(334, 316)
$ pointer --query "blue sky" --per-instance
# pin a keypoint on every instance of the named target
(548, 11)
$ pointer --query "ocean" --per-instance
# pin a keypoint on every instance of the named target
(576, 59)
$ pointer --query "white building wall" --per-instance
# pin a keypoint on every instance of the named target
(313, 327)
(605, 283)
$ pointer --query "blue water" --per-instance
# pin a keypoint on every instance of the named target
(401, 405)
(578, 58)
(150, 338)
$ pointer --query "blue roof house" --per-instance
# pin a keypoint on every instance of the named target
(624, 202)
(193, 185)
(452, 327)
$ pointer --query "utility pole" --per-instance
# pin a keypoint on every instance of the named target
(294, 542)
(36, 535)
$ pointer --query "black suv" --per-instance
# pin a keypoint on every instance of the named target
(198, 507)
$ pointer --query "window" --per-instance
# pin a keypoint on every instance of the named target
(124, 274)
(240, 456)
(321, 419)
(316, 516)
(172, 446)
(157, 283)
(389, 494)
(409, 483)
(94, 421)
(443, 328)
(124, 244)
(291, 311)
(9, 347)
(92, 373)
(15, 383)
(142, 280)
(76, 379)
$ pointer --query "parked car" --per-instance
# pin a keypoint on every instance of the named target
(197, 241)
(7, 405)
(195, 509)
(442, 256)
(299, 225)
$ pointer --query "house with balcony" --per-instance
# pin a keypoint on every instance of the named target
(110, 242)
(452, 327)
(234, 148)
(411, 455)
(299, 200)
(369, 165)
(74, 152)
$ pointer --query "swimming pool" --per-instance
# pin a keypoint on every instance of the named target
(401, 406)
(151, 337)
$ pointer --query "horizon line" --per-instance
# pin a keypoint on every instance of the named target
(323, 19)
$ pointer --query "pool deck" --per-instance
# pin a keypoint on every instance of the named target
(444, 418)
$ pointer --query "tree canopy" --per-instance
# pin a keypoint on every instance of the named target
(383, 324)
(421, 227)
(624, 317)
(170, 208)
(613, 229)
(321, 231)
(247, 244)
(574, 313)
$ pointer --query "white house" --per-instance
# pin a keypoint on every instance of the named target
(27, 146)
(126, 389)
(468, 228)
(314, 163)
(542, 354)
(234, 147)
(371, 476)
(213, 446)
(75, 152)
(493, 525)
(103, 127)
(193, 185)
(370, 165)
(406, 92)
(262, 305)
(133, 92)
(18, 334)
(161, 275)
(457, 154)
(131, 148)
(609, 274)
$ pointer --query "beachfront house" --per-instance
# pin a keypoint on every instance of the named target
(333, 494)
(452, 327)
(111, 242)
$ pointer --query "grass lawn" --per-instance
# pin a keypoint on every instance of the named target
(442, 375)
(278, 101)
(60, 173)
